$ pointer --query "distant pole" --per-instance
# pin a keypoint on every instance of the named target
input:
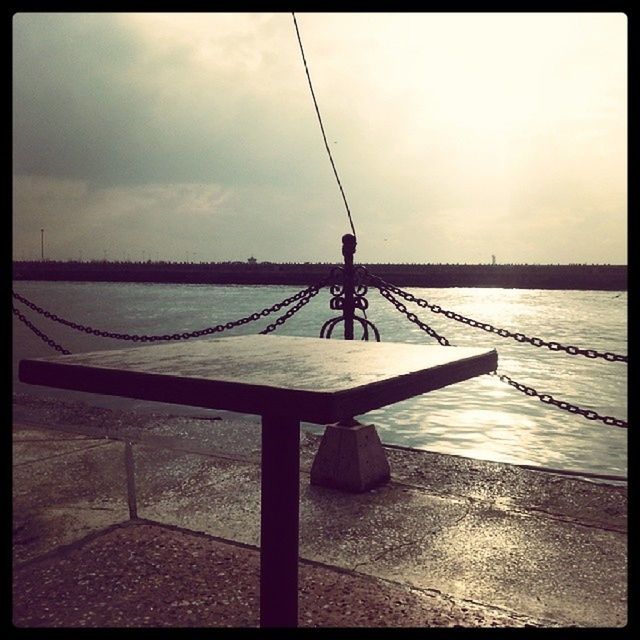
(41, 244)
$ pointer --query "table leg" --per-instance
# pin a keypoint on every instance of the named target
(279, 521)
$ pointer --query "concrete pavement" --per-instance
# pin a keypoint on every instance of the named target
(450, 541)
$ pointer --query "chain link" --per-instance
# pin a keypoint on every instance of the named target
(43, 336)
(402, 308)
(589, 414)
(314, 289)
(485, 326)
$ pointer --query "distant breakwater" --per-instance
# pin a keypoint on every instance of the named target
(515, 276)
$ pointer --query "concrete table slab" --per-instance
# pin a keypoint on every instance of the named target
(285, 380)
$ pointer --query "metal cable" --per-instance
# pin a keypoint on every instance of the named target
(324, 136)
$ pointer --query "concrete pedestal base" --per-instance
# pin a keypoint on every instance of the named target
(351, 458)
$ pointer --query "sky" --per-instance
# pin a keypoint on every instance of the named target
(456, 136)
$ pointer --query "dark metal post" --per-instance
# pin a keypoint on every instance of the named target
(279, 521)
(348, 310)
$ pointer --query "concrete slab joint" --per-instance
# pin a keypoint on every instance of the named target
(350, 458)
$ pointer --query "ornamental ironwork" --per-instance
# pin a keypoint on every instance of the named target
(348, 291)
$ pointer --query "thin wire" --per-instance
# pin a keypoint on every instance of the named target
(326, 144)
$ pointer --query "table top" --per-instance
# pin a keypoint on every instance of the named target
(312, 379)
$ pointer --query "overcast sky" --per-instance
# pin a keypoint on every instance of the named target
(194, 136)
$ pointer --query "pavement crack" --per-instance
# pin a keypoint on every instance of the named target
(79, 508)
(513, 509)
(414, 542)
(39, 440)
(59, 455)
(534, 511)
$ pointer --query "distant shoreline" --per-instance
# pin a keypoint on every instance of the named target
(516, 276)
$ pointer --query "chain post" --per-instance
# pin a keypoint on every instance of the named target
(348, 310)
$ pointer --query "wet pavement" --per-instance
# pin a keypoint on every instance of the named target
(448, 542)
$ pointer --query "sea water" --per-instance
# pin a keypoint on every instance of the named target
(480, 418)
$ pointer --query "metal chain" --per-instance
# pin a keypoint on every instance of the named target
(589, 414)
(176, 336)
(412, 316)
(313, 291)
(527, 390)
(304, 297)
(485, 326)
(43, 336)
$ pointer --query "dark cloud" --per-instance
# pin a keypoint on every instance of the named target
(127, 128)
(83, 109)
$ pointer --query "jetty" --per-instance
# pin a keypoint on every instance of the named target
(252, 272)
(131, 519)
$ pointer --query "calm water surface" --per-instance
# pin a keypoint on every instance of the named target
(480, 418)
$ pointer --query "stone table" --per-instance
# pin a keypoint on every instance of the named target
(285, 380)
